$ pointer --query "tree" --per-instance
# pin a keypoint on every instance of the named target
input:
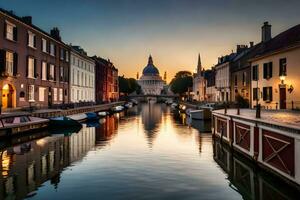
(128, 85)
(181, 83)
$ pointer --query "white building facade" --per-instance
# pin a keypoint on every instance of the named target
(82, 76)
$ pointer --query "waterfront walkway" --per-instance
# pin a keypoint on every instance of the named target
(284, 118)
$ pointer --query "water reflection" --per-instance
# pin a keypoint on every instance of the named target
(247, 179)
(146, 152)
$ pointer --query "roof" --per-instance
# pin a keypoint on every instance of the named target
(150, 69)
(288, 38)
(12, 15)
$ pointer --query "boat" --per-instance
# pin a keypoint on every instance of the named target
(134, 101)
(91, 116)
(14, 123)
(102, 113)
(65, 130)
(200, 114)
(128, 105)
(117, 109)
(63, 122)
(174, 105)
(78, 117)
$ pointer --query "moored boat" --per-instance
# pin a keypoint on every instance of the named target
(91, 116)
(78, 117)
(63, 122)
(15, 123)
(200, 114)
(102, 113)
(117, 109)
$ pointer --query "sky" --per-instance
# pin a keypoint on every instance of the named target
(174, 32)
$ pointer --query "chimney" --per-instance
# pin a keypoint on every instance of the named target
(240, 48)
(251, 44)
(266, 32)
(55, 33)
(27, 20)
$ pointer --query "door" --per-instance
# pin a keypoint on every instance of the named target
(49, 97)
(282, 96)
(7, 96)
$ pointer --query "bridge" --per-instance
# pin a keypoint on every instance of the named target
(148, 97)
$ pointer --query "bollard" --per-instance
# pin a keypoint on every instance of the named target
(292, 105)
(276, 105)
(238, 110)
(258, 111)
(225, 108)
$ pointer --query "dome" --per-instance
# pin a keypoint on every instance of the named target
(150, 69)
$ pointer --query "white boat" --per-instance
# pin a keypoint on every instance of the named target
(102, 113)
(129, 105)
(78, 117)
(118, 108)
(174, 105)
(199, 114)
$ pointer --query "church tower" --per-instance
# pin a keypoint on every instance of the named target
(199, 65)
(165, 76)
(137, 76)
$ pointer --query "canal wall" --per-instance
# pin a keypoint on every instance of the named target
(272, 141)
(58, 113)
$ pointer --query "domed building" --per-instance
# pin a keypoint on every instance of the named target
(151, 82)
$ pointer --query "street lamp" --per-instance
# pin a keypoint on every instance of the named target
(282, 79)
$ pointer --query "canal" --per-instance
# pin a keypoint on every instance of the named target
(148, 152)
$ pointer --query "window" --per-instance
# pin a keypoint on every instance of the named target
(52, 49)
(31, 93)
(31, 40)
(268, 68)
(44, 70)
(244, 78)
(44, 45)
(31, 67)
(67, 56)
(54, 94)
(10, 31)
(60, 94)
(61, 74)
(51, 72)
(255, 73)
(42, 94)
(9, 63)
(255, 94)
(267, 94)
(62, 54)
(282, 67)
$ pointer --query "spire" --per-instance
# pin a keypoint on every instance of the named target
(199, 66)
(137, 76)
(165, 76)
(150, 61)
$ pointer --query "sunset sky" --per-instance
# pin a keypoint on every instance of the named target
(172, 31)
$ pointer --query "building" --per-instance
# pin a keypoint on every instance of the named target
(222, 78)
(106, 79)
(151, 82)
(210, 85)
(275, 70)
(34, 64)
(240, 72)
(82, 76)
(199, 82)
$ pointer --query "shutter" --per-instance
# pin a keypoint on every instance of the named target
(54, 78)
(27, 39)
(15, 32)
(5, 30)
(270, 69)
(54, 52)
(15, 67)
(35, 69)
(271, 93)
(264, 93)
(2, 60)
(27, 66)
(42, 45)
(48, 71)
(48, 46)
(34, 41)
(265, 70)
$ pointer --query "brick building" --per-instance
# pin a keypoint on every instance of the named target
(34, 64)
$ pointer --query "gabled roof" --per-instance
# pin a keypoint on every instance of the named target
(286, 39)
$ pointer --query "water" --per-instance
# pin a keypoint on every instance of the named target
(146, 153)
